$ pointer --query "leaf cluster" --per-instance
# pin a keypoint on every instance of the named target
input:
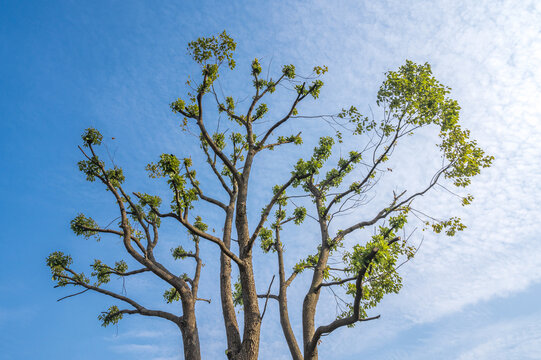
(217, 49)
(82, 225)
(110, 317)
(103, 272)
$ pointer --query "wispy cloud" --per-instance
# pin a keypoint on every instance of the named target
(515, 338)
(520, 339)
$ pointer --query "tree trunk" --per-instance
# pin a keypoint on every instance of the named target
(310, 303)
(282, 304)
(228, 308)
(190, 334)
(252, 321)
(312, 297)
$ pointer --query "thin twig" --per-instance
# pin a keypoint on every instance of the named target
(267, 298)
(79, 293)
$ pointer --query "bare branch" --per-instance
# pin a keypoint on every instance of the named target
(200, 192)
(340, 282)
(140, 309)
(129, 273)
(79, 293)
(116, 232)
(198, 265)
(290, 279)
(270, 296)
(216, 172)
(267, 299)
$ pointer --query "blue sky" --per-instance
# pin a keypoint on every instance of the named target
(68, 65)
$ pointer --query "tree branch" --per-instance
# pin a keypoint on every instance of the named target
(370, 172)
(278, 143)
(382, 214)
(326, 329)
(267, 298)
(115, 232)
(140, 309)
(201, 234)
(268, 208)
(299, 98)
(147, 260)
(79, 293)
(216, 172)
(200, 192)
(340, 282)
(209, 140)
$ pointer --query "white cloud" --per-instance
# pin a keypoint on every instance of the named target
(515, 338)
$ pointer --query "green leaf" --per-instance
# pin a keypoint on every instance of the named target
(171, 295)
(101, 272)
(179, 253)
(91, 136)
(267, 240)
(111, 316)
(300, 214)
(256, 67)
(58, 263)
(214, 49)
(237, 293)
(199, 224)
(83, 226)
(289, 71)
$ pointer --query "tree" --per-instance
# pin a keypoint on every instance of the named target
(410, 99)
